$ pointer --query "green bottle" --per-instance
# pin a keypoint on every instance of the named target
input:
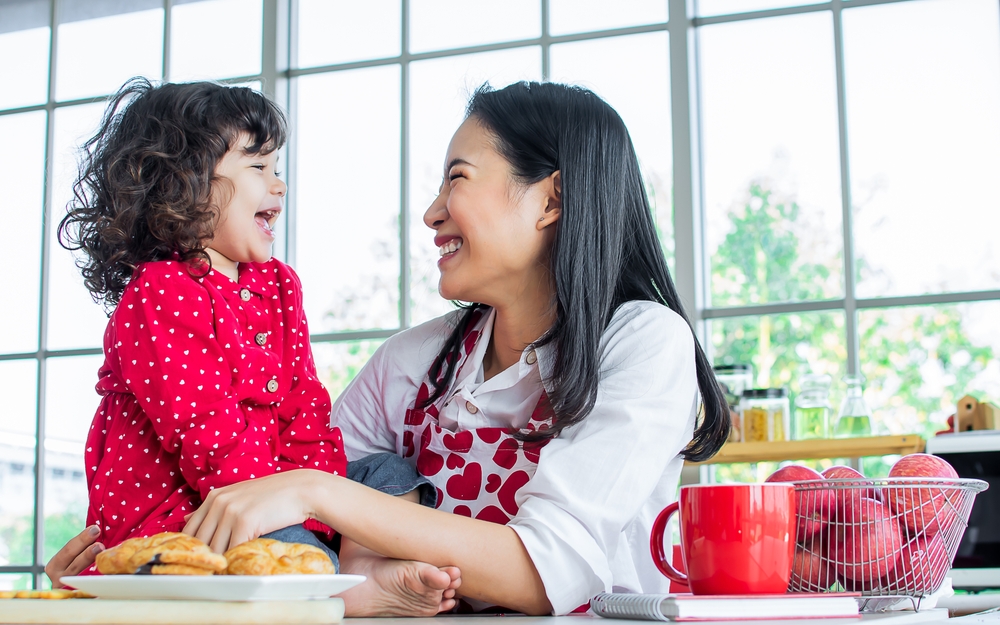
(812, 407)
(854, 418)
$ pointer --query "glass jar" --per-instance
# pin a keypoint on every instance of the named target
(764, 415)
(812, 407)
(854, 418)
(734, 379)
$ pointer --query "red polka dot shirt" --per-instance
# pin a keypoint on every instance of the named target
(206, 382)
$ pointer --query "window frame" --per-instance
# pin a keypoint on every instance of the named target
(692, 275)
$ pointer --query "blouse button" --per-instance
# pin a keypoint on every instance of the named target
(261, 338)
(531, 358)
(471, 407)
(272, 386)
(245, 295)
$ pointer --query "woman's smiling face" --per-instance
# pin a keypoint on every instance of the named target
(492, 233)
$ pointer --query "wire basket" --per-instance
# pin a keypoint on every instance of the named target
(887, 539)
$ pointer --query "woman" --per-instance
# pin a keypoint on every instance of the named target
(551, 416)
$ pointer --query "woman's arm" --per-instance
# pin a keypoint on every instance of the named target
(495, 566)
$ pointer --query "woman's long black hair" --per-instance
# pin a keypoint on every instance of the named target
(605, 253)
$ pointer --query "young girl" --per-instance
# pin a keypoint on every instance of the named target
(208, 377)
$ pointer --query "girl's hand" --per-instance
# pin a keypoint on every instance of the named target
(75, 556)
(241, 512)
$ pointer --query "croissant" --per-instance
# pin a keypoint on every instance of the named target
(169, 553)
(264, 556)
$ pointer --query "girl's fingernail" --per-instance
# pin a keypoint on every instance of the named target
(96, 549)
(93, 530)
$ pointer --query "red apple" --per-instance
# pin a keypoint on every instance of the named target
(811, 570)
(866, 540)
(926, 510)
(922, 566)
(812, 506)
(840, 472)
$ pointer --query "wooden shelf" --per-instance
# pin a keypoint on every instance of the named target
(817, 449)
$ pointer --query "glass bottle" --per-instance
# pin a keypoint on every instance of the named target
(854, 418)
(812, 407)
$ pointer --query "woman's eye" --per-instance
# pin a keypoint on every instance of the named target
(455, 177)
(258, 167)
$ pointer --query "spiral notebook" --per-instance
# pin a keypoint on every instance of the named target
(688, 607)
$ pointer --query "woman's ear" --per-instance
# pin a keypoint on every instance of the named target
(553, 200)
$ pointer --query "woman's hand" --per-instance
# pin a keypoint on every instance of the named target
(244, 511)
(75, 556)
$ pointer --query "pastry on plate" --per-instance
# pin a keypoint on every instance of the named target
(169, 553)
(264, 556)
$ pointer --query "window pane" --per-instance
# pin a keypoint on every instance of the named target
(97, 52)
(640, 94)
(70, 405)
(725, 7)
(578, 16)
(919, 361)
(24, 35)
(771, 160)
(74, 319)
(17, 460)
(347, 199)
(215, 39)
(923, 91)
(338, 363)
(22, 206)
(15, 581)
(341, 31)
(445, 24)
(439, 91)
(782, 348)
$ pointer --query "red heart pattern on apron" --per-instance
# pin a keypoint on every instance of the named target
(477, 472)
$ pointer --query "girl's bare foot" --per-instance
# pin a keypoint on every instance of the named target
(399, 587)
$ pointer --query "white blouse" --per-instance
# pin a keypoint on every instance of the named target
(586, 515)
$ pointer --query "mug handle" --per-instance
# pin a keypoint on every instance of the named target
(656, 545)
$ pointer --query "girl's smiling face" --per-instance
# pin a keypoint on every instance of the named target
(249, 197)
(493, 234)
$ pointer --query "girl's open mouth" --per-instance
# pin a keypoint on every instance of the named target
(265, 219)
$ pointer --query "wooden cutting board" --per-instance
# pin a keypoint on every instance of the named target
(112, 612)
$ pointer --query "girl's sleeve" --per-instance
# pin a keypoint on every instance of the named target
(307, 439)
(597, 477)
(171, 360)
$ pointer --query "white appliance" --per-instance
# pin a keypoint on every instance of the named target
(976, 455)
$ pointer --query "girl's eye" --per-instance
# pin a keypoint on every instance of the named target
(454, 177)
(258, 167)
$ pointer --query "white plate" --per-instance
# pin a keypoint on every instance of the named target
(214, 587)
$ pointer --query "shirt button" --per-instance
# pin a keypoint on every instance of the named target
(245, 295)
(261, 338)
(531, 358)
(471, 407)
(272, 386)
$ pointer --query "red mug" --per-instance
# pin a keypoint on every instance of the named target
(736, 539)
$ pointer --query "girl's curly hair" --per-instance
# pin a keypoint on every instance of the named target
(144, 189)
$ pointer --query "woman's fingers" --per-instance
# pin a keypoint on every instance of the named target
(194, 520)
(84, 560)
(76, 553)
